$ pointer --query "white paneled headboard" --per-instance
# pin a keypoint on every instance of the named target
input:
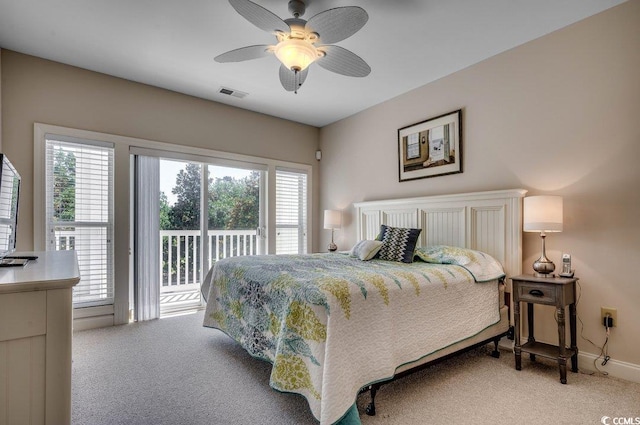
(485, 221)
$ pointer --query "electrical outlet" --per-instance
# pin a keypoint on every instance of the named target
(613, 312)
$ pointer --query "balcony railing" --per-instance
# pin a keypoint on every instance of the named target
(179, 262)
(180, 254)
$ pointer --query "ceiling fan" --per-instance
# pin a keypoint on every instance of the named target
(301, 43)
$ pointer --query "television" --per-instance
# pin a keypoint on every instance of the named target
(9, 194)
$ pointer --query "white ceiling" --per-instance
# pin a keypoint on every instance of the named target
(172, 43)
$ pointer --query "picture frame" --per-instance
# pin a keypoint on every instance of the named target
(431, 148)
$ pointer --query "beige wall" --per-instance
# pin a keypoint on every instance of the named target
(558, 115)
(37, 90)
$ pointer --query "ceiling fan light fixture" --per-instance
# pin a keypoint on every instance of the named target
(296, 54)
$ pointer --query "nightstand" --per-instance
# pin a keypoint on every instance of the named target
(556, 291)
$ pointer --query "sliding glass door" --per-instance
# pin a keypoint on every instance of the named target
(180, 235)
(205, 212)
(235, 213)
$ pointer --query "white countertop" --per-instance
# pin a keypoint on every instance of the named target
(52, 270)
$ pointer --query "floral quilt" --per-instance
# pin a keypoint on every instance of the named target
(330, 324)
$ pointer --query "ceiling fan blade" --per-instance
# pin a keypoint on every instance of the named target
(336, 24)
(290, 81)
(343, 61)
(244, 54)
(259, 16)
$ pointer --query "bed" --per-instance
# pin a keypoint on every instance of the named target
(333, 324)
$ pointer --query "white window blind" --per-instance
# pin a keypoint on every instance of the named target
(291, 212)
(79, 212)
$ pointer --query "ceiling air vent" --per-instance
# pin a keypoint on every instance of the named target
(232, 92)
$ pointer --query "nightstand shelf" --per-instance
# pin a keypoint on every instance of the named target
(548, 351)
(555, 291)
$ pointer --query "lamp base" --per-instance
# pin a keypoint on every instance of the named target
(543, 267)
(332, 247)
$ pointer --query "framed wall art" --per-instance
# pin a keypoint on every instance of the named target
(431, 148)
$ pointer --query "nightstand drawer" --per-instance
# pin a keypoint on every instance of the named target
(537, 293)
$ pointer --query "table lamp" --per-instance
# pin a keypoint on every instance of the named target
(543, 214)
(332, 220)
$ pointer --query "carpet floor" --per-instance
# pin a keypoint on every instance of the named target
(174, 371)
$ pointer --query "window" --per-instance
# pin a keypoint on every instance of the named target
(413, 146)
(291, 212)
(105, 295)
(79, 212)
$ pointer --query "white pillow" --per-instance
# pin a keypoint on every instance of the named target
(366, 249)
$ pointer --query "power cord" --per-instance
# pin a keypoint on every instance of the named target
(605, 348)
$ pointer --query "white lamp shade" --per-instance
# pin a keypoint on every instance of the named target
(543, 214)
(332, 219)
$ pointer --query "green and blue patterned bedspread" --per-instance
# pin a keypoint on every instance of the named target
(331, 324)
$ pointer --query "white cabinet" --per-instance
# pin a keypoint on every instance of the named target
(36, 314)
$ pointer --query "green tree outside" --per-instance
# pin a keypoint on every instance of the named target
(233, 203)
(64, 186)
(185, 213)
